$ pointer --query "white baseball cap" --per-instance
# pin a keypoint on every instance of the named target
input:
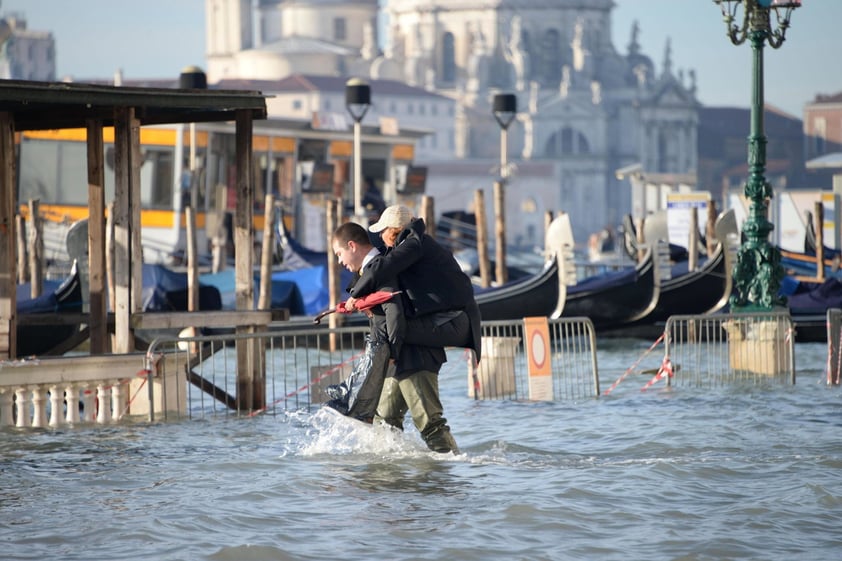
(395, 216)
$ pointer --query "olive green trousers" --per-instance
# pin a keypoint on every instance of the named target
(418, 393)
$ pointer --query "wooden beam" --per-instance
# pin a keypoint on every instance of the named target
(8, 240)
(96, 240)
(180, 320)
(136, 159)
(243, 215)
(124, 341)
(251, 376)
(500, 231)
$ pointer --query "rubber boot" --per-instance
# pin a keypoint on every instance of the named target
(439, 439)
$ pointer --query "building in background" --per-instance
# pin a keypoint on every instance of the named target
(25, 54)
(585, 110)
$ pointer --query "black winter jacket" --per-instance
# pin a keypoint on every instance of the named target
(429, 276)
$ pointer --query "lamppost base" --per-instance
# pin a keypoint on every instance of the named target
(758, 275)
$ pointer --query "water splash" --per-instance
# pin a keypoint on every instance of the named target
(330, 432)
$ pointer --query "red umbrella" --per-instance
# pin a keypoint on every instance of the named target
(362, 303)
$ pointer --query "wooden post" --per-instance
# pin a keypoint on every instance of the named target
(264, 297)
(136, 207)
(482, 239)
(97, 267)
(36, 250)
(8, 239)
(500, 231)
(251, 377)
(220, 234)
(332, 206)
(693, 241)
(819, 211)
(23, 268)
(428, 214)
(192, 261)
(109, 258)
(127, 264)
(710, 229)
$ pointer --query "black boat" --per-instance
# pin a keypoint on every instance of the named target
(537, 295)
(612, 300)
(705, 290)
(609, 300)
(43, 336)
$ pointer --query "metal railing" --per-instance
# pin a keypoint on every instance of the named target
(531, 359)
(297, 366)
(505, 371)
(715, 350)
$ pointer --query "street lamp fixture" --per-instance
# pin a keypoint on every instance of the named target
(191, 78)
(758, 271)
(505, 109)
(357, 102)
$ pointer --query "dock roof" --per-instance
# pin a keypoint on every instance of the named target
(56, 105)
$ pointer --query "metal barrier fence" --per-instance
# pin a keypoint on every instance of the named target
(189, 377)
(519, 361)
(298, 365)
(834, 346)
(532, 359)
(716, 350)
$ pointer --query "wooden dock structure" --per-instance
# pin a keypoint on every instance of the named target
(29, 106)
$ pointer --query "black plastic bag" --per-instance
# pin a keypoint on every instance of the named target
(358, 395)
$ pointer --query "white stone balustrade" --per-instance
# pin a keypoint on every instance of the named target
(52, 392)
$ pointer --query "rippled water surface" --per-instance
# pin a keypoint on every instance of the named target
(741, 472)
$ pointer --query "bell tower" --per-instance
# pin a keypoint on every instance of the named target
(229, 30)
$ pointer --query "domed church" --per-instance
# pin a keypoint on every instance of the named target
(586, 112)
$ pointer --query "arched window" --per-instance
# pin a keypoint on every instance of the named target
(448, 58)
(567, 142)
(667, 151)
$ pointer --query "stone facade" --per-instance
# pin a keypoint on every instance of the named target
(25, 54)
(585, 110)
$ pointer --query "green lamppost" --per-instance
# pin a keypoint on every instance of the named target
(757, 272)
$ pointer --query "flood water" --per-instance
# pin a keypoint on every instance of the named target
(739, 472)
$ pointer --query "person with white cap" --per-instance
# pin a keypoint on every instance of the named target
(438, 302)
(439, 298)
(412, 382)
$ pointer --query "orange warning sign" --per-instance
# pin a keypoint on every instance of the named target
(537, 340)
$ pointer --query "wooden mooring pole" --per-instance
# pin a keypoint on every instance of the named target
(482, 239)
(35, 244)
(332, 207)
(500, 231)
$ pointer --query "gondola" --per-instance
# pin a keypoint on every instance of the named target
(42, 337)
(532, 296)
(617, 298)
(705, 290)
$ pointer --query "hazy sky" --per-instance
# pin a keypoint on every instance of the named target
(158, 38)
